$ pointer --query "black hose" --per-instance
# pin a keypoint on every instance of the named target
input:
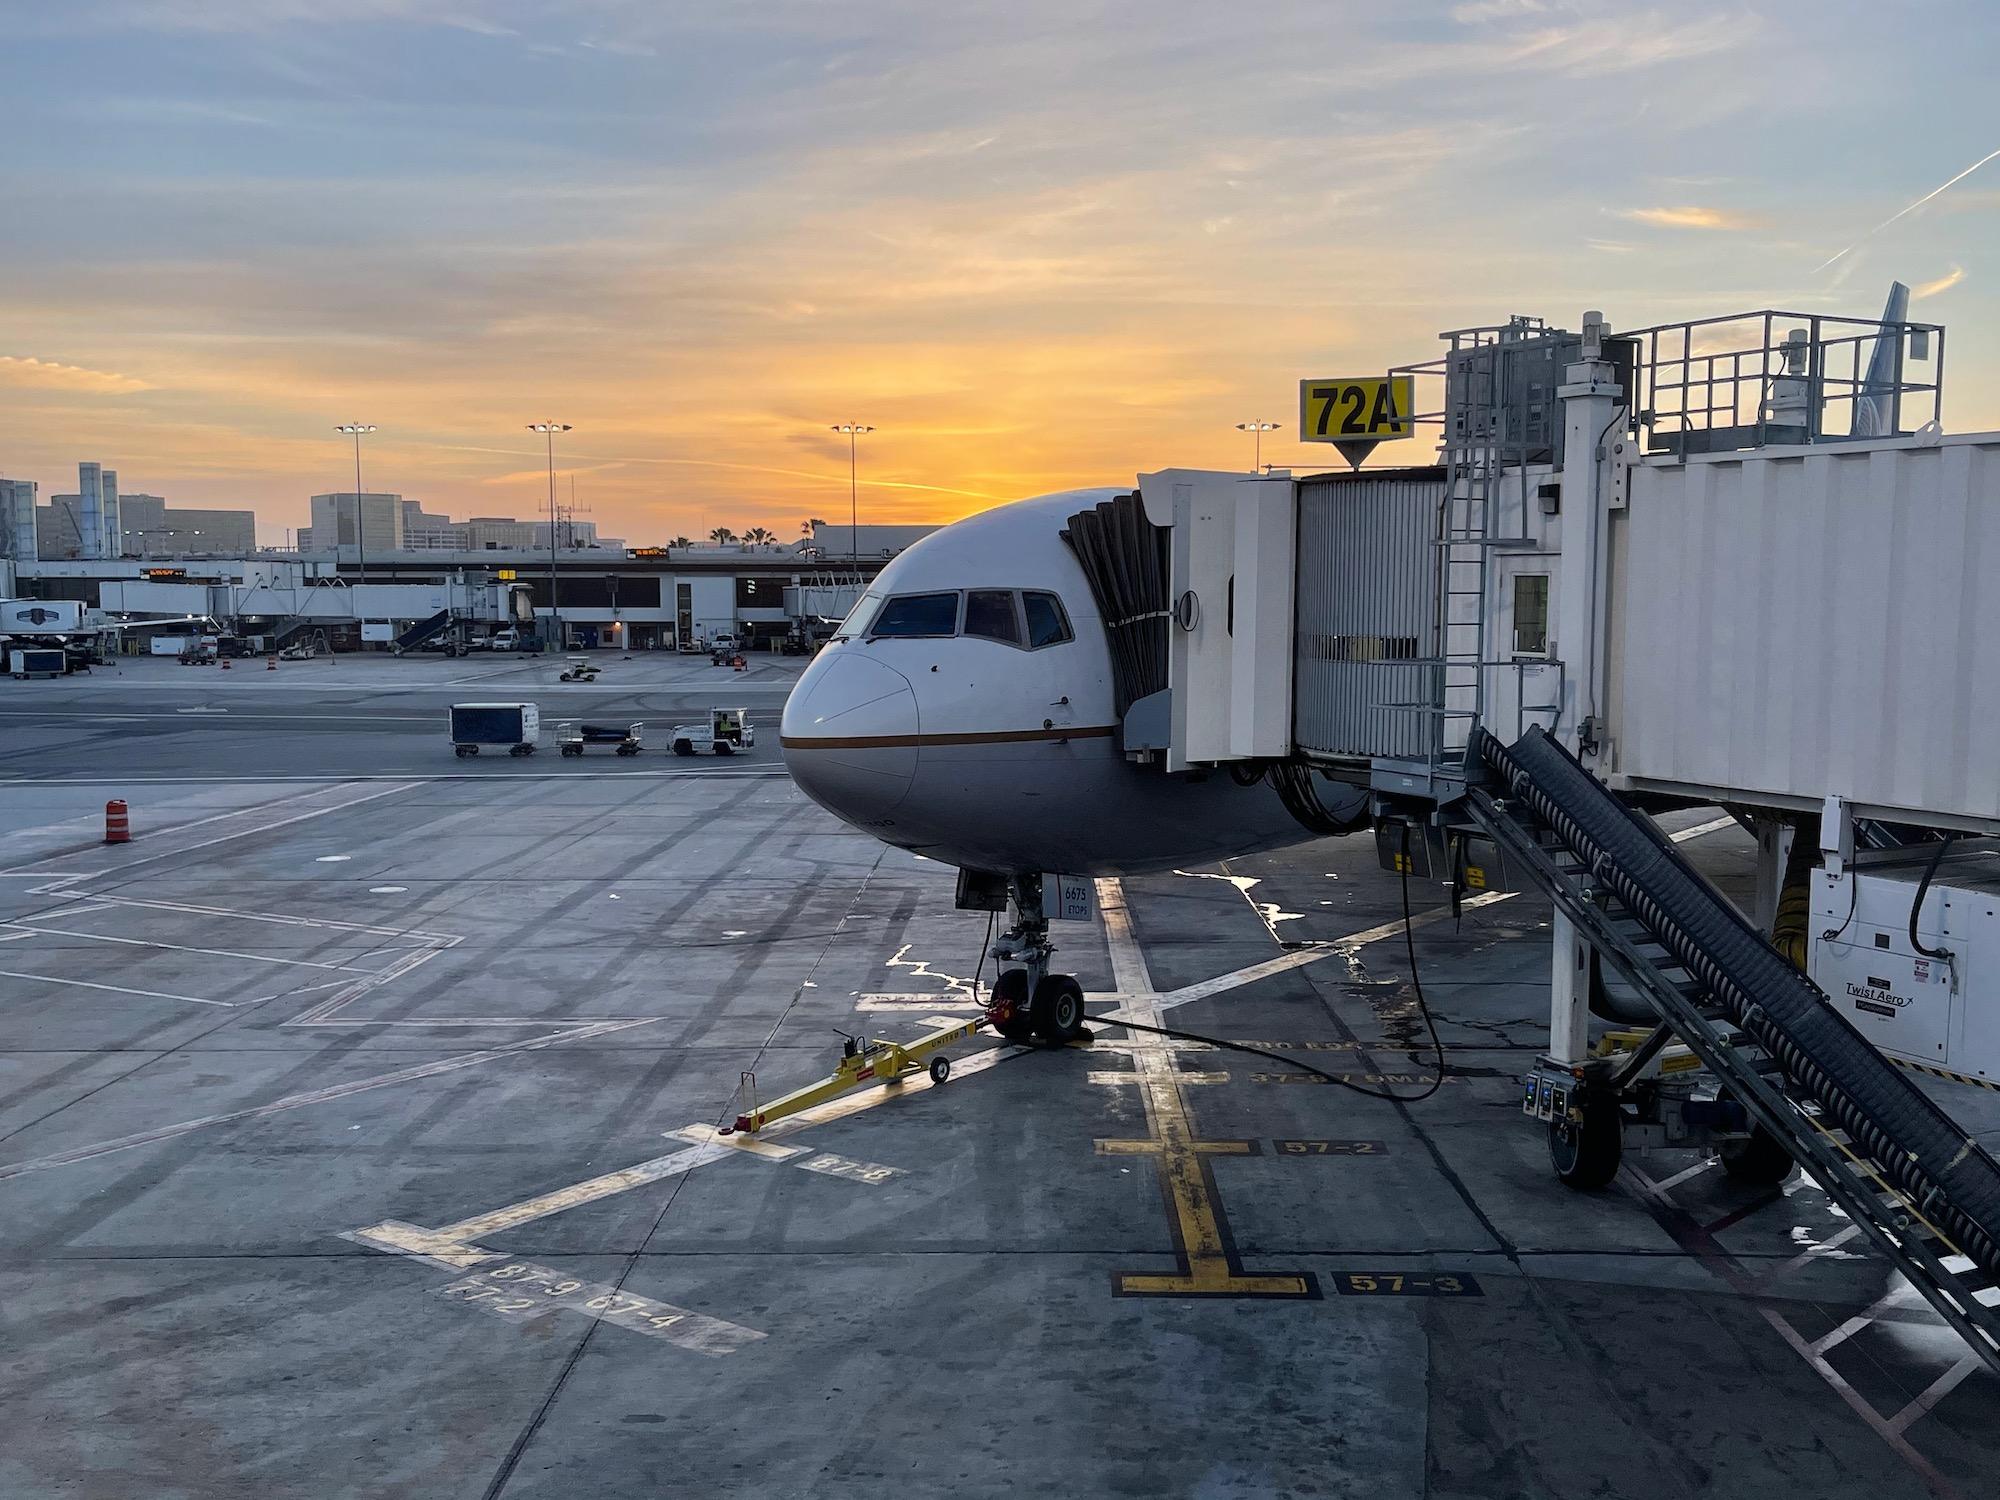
(1416, 983)
(1923, 887)
(980, 969)
(1294, 785)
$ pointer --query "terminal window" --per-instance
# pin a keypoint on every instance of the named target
(1531, 613)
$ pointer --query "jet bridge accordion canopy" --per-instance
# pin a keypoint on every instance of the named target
(1367, 621)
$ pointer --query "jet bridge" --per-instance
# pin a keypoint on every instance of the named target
(1734, 562)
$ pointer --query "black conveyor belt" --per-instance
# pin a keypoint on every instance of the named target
(1945, 1174)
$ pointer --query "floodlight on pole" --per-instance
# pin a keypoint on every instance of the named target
(549, 430)
(1259, 428)
(354, 430)
(853, 431)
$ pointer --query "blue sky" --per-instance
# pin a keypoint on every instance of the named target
(1036, 244)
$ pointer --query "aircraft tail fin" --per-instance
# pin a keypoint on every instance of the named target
(1875, 402)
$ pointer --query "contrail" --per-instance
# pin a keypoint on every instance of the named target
(1912, 208)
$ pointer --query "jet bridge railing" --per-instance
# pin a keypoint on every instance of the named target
(1924, 1191)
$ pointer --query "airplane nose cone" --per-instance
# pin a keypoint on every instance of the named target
(850, 735)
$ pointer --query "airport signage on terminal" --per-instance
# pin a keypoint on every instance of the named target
(1356, 408)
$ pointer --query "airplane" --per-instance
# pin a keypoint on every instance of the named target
(968, 710)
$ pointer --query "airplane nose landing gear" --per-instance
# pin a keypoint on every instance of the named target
(1028, 1000)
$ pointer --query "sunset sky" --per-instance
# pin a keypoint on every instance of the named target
(1036, 244)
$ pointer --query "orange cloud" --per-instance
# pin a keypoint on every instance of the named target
(1690, 216)
(1944, 283)
(35, 372)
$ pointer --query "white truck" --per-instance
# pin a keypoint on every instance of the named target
(727, 731)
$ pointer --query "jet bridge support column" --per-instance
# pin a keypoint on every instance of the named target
(1592, 404)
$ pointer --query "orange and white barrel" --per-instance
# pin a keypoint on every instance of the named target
(117, 825)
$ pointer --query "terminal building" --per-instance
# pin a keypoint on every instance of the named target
(376, 570)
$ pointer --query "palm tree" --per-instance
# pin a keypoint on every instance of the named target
(808, 527)
(758, 534)
(680, 541)
(722, 536)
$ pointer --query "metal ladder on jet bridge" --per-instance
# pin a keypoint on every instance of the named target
(1925, 1193)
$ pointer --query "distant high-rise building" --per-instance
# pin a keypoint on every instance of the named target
(152, 528)
(90, 510)
(17, 521)
(149, 527)
(424, 532)
(110, 543)
(373, 522)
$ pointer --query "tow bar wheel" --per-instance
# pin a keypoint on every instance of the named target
(940, 1068)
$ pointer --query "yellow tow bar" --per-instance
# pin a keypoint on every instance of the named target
(864, 1061)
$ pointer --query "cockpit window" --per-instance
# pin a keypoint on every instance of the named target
(990, 613)
(917, 614)
(858, 617)
(1047, 625)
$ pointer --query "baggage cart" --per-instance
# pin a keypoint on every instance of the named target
(515, 725)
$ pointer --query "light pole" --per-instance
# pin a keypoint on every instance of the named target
(549, 431)
(354, 430)
(1260, 428)
(853, 431)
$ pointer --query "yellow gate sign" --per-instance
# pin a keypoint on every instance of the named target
(1363, 408)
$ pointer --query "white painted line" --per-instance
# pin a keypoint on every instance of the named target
(521, 1290)
(418, 1243)
(319, 1014)
(1128, 963)
(1684, 1175)
(708, 1135)
(1118, 932)
(255, 958)
(314, 1096)
(240, 716)
(172, 849)
(1828, 1246)
(841, 1166)
(589, 1191)
(915, 1002)
(676, 1163)
(119, 989)
(1714, 826)
(502, 772)
(475, 1021)
(1421, 919)
(58, 891)
(1938, 1389)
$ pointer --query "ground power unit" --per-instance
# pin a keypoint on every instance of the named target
(1935, 1000)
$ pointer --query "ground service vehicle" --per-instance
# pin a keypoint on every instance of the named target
(571, 738)
(727, 731)
(44, 662)
(515, 725)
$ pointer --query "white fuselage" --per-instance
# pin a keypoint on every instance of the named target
(997, 756)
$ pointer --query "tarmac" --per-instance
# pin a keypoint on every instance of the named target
(356, 1138)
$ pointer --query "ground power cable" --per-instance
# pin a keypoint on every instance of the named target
(1423, 1005)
